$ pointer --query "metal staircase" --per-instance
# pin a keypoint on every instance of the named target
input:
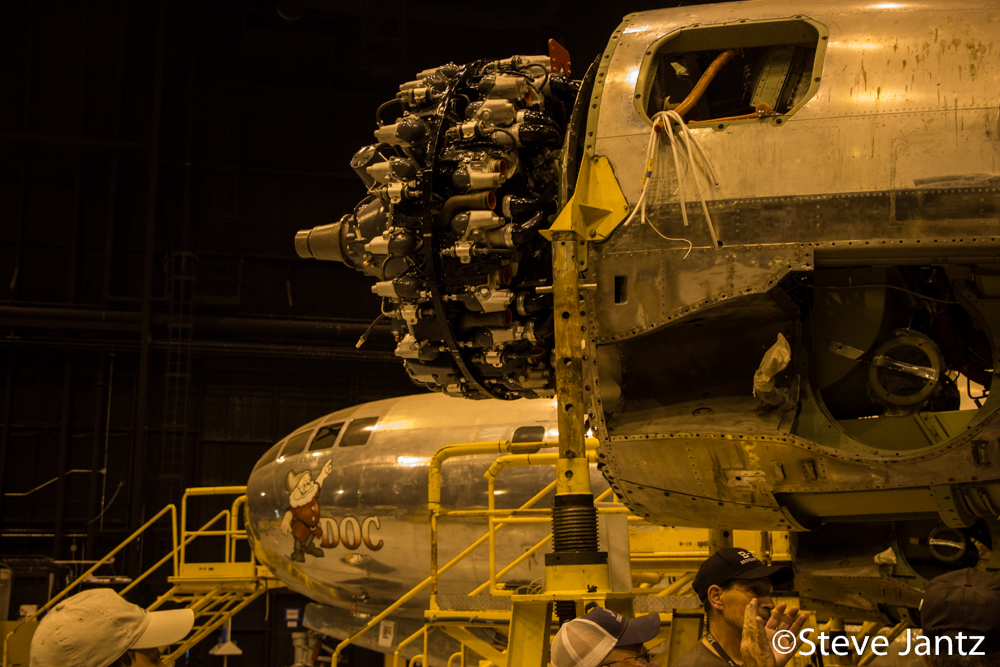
(214, 590)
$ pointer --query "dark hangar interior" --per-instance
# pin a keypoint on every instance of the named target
(157, 330)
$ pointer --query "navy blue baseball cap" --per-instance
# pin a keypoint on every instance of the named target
(727, 564)
(965, 600)
(586, 641)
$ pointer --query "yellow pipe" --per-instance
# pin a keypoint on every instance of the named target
(491, 584)
(678, 584)
(469, 449)
(547, 458)
(458, 655)
(434, 482)
(491, 475)
(486, 513)
(213, 490)
(405, 642)
(234, 520)
(671, 554)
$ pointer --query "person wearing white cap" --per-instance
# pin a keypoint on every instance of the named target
(97, 628)
(603, 637)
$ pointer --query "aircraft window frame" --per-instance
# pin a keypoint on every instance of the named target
(269, 456)
(356, 426)
(336, 436)
(303, 436)
(743, 34)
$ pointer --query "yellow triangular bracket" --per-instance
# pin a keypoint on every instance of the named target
(597, 206)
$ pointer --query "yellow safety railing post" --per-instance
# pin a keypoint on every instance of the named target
(402, 644)
(208, 491)
(180, 538)
(416, 590)
(104, 561)
(434, 481)
(187, 540)
(523, 454)
(234, 528)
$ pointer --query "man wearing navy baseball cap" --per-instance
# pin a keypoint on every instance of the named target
(603, 637)
(728, 582)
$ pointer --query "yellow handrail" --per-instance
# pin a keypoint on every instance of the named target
(209, 491)
(232, 533)
(434, 480)
(172, 554)
(104, 561)
(406, 642)
(523, 451)
(416, 590)
(491, 584)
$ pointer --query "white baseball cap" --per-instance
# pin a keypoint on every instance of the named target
(96, 627)
(587, 641)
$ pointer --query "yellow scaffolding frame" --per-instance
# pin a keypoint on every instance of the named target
(522, 454)
(215, 596)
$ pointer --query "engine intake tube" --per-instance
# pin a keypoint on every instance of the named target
(324, 242)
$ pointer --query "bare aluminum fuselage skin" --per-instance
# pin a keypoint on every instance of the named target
(891, 166)
(377, 561)
(908, 95)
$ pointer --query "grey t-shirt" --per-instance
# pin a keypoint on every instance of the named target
(700, 656)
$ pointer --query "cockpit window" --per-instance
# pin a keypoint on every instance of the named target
(742, 71)
(326, 436)
(358, 432)
(268, 457)
(296, 444)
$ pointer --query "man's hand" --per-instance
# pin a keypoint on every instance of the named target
(286, 523)
(755, 645)
(793, 622)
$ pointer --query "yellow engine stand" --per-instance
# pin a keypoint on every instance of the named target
(532, 615)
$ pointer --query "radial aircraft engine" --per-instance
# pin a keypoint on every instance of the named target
(788, 218)
(366, 468)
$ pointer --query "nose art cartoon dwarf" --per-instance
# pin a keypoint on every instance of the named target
(302, 519)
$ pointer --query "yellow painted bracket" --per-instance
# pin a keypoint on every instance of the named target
(597, 206)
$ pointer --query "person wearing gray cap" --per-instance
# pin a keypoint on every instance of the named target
(603, 637)
(730, 582)
(97, 628)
